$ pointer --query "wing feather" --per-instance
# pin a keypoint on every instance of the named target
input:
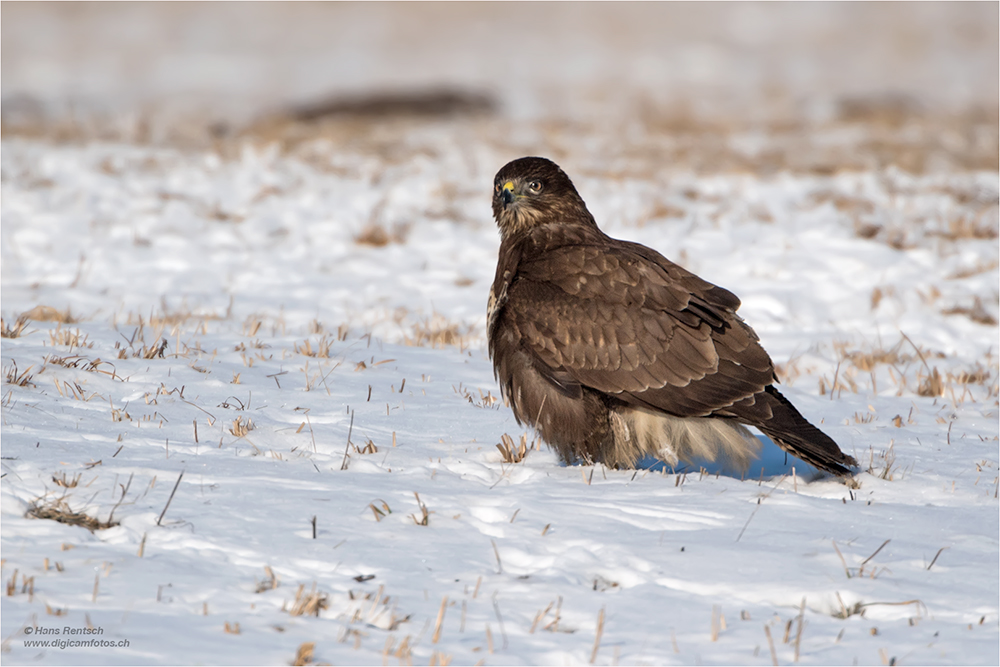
(621, 319)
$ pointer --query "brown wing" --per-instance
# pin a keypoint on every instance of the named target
(620, 318)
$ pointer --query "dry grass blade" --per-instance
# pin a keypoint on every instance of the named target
(597, 635)
(875, 553)
(440, 620)
(936, 557)
(496, 552)
(843, 562)
(170, 499)
(801, 621)
(770, 644)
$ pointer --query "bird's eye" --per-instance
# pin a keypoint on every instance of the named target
(496, 187)
(535, 187)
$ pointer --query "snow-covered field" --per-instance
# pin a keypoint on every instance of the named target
(249, 418)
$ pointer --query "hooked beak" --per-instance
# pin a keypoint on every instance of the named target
(507, 194)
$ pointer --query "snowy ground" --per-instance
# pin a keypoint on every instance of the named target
(255, 368)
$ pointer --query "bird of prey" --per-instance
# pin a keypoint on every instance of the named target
(614, 353)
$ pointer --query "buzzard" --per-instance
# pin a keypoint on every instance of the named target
(613, 352)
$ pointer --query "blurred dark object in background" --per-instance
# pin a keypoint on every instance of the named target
(389, 104)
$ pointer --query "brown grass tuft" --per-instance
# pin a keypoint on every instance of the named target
(510, 452)
(309, 604)
(977, 313)
(267, 584)
(59, 511)
(425, 515)
(436, 332)
(975, 270)
(487, 400)
(20, 379)
(321, 351)
(240, 428)
(14, 331)
(375, 234)
(48, 314)
(67, 338)
(969, 227)
(931, 384)
(304, 654)
(65, 482)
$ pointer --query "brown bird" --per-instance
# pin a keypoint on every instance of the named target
(613, 352)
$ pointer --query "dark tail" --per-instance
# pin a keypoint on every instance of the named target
(794, 434)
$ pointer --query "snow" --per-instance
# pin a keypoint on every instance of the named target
(363, 372)
(238, 303)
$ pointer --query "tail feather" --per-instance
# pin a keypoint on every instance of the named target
(794, 434)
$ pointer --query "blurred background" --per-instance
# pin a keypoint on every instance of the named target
(920, 78)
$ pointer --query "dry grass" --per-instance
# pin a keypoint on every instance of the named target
(58, 510)
(15, 331)
(268, 584)
(174, 318)
(304, 654)
(309, 604)
(78, 362)
(437, 332)
(487, 400)
(375, 234)
(510, 452)
(425, 515)
(966, 226)
(60, 337)
(67, 483)
(136, 347)
(974, 270)
(19, 378)
(49, 314)
(241, 428)
(381, 511)
(882, 464)
(321, 350)
(911, 370)
(930, 384)
(368, 448)
(977, 312)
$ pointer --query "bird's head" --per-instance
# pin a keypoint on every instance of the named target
(533, 191)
